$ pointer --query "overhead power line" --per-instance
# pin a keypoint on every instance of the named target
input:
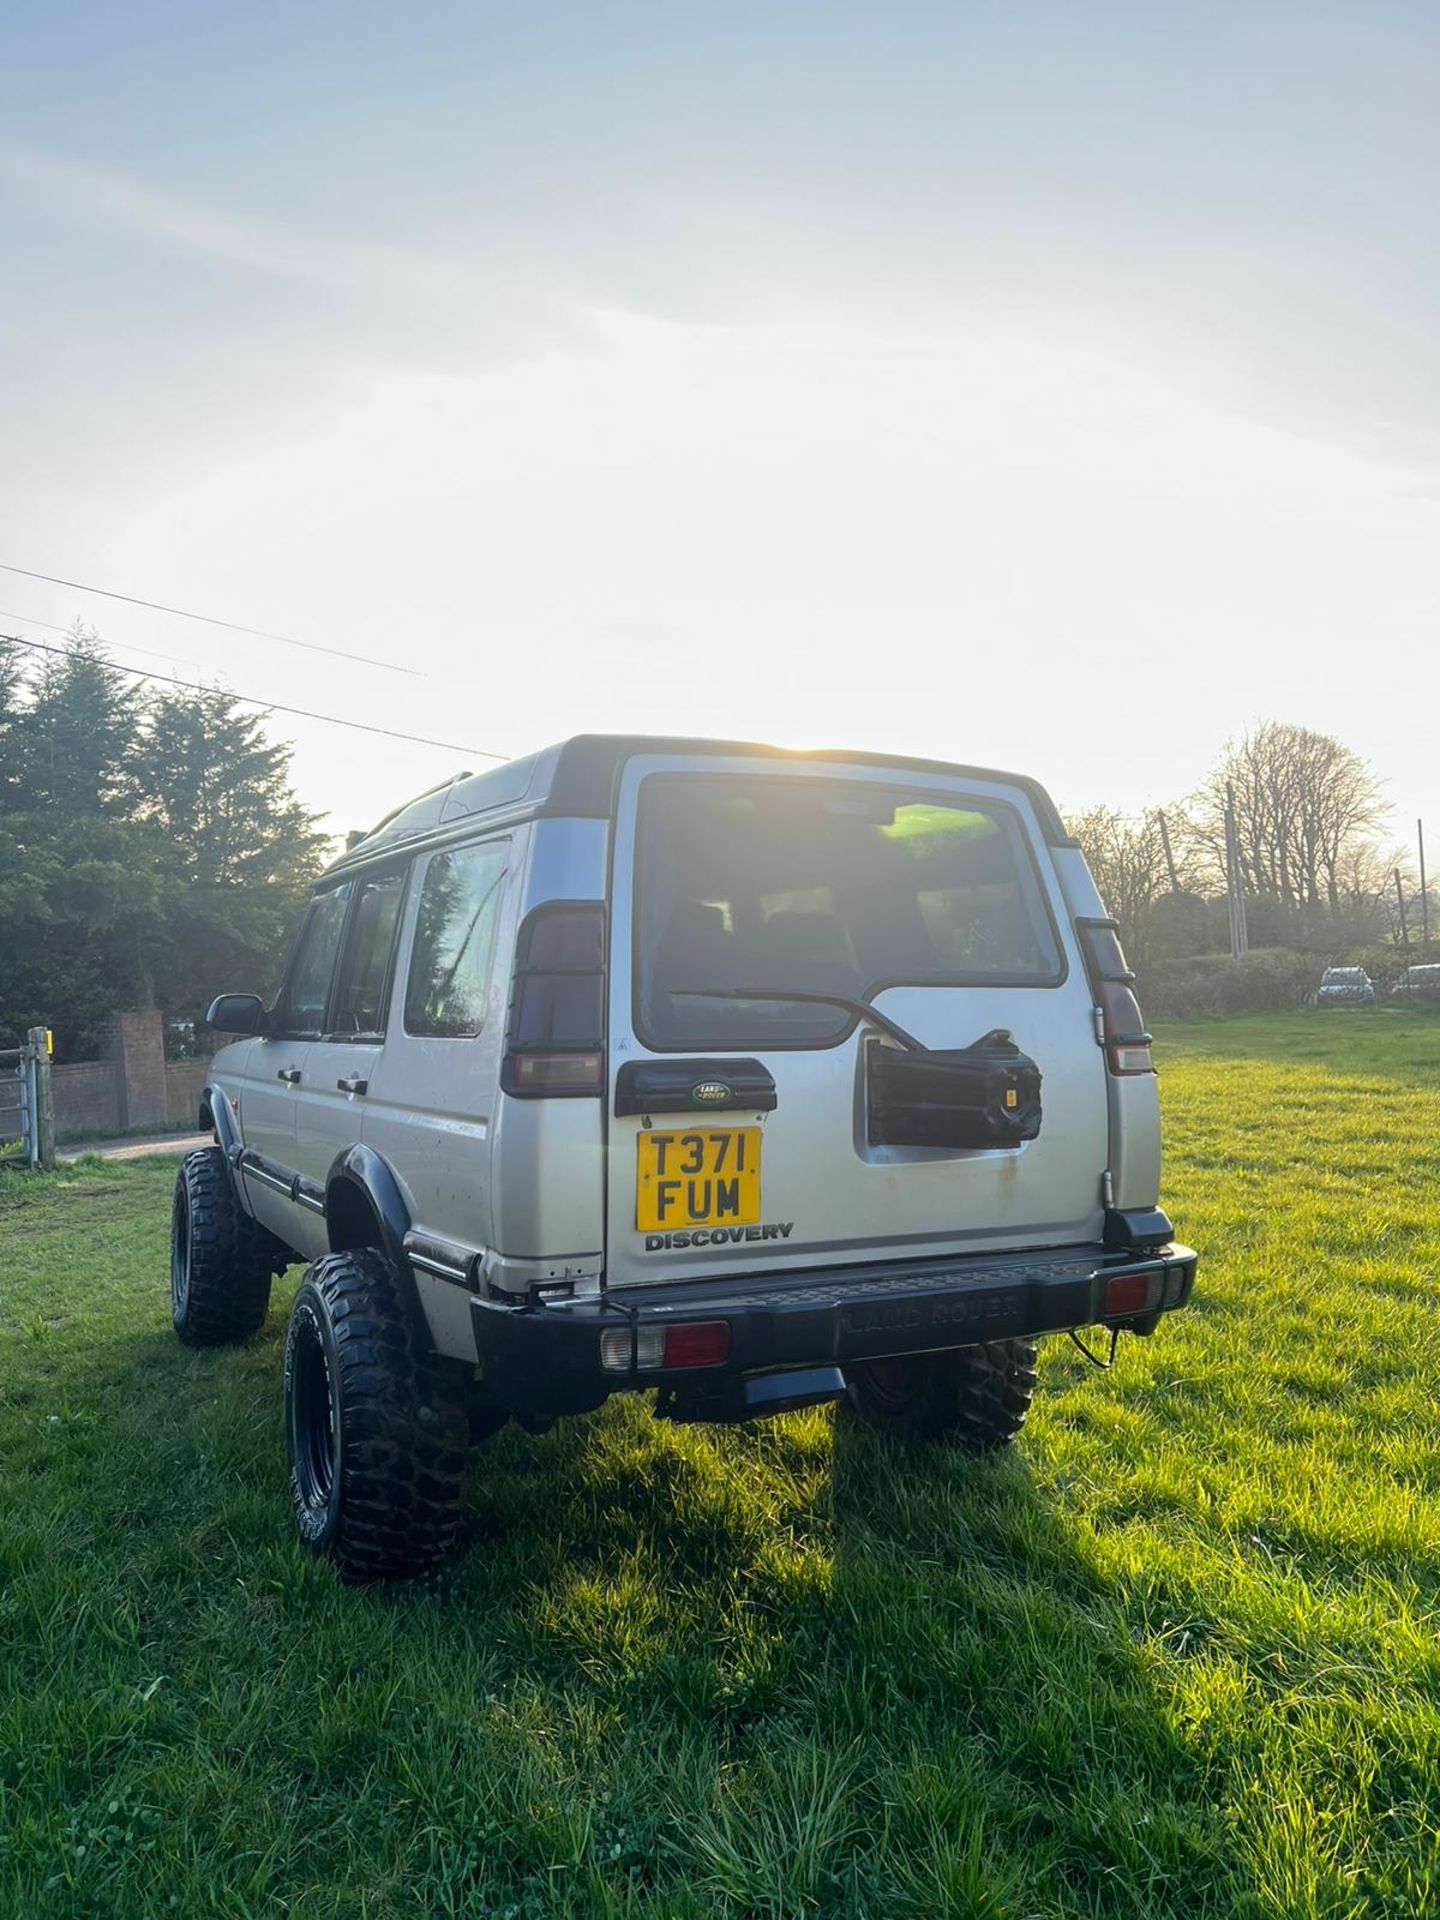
(28, 620)
(208, 619)
(265, 706)
(125, 646)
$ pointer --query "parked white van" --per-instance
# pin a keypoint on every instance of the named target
(756, 1077)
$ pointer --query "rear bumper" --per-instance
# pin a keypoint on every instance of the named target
(545, 1357)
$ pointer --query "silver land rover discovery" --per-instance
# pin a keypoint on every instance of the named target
(758, 1078)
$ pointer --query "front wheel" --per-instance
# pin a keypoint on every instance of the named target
(374, 1425)
(221, 1261)
(976, 1396)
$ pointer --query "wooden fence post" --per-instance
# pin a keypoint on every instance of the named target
(42, 1118)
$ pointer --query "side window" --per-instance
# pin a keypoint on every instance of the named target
(360, 996)
(454, 939)
(306, 993)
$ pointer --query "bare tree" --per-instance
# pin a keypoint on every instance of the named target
(1366, 874)
(1304, 805)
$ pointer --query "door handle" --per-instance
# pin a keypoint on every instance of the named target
(292, 1074)
(354, 1084)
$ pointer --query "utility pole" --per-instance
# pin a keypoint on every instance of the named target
(1424, 892)
(1400, 897)
(1169, 856)
(1239, 932)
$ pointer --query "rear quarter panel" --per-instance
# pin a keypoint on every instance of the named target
(548, 1167)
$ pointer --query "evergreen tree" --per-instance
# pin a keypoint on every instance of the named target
(151, 850)
(234, 850)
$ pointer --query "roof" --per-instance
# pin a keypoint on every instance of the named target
(580, 777)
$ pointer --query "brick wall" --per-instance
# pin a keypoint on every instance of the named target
(184, 1084)
(87, 1095)
(131, 1087)
(136, 1043)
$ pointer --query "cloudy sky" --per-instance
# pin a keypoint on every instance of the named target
(1032, 384)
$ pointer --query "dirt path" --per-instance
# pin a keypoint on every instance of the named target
(134, 1147)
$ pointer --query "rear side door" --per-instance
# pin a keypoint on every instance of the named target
(429, 1107)
(930, 898)
(341, 1066)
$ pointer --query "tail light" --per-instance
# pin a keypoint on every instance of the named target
(1122, 1026)
(689, 1343)
(555, 1043)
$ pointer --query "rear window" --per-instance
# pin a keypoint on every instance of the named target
(449, 981)
(814, 886)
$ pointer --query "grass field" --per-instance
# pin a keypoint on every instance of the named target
(1177, 1656)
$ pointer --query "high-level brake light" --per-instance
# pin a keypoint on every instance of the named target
(1123, 1035)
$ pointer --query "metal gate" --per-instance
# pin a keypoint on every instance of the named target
(27, 1108)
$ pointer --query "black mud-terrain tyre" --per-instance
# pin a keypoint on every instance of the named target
(977, 1397)
(221, 1261)
(375, 1424)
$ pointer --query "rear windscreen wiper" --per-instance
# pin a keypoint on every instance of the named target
(862, 1009)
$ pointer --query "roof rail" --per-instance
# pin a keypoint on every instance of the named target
(414, 800)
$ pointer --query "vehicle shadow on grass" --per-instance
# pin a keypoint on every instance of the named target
(1010, 1656)
(679, 1671)
(856, 1674)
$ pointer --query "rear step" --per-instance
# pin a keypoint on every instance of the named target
(732, 1397)
(707, 1336)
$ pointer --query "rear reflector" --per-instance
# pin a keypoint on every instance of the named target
(1132, 1293)
(692, 1343)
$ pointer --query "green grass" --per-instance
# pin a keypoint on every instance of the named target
(1177, 1656)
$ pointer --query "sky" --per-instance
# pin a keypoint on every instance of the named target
(1037, 385)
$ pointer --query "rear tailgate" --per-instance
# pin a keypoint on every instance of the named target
(933, 897)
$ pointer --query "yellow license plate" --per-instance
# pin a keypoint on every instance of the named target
(705, 1177)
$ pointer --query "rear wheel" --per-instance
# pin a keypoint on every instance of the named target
(221, 1261)
(975, 1396)
(375, 1424)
